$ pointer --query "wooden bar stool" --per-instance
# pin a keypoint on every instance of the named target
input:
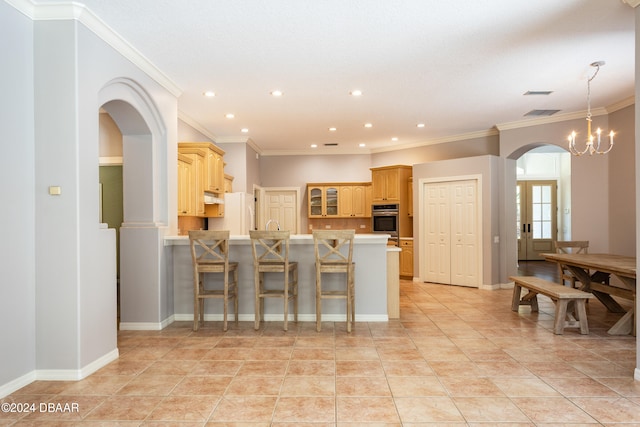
(210, 254)
(334, 254)
(271, 255)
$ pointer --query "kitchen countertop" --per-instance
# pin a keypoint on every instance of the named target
(240, 239)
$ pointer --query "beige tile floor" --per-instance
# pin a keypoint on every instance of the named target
(456, 357)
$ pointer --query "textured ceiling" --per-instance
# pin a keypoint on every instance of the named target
(458, 67)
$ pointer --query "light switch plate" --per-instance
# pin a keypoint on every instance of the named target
(55, 190)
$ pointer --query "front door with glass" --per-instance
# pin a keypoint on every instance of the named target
(536, 208)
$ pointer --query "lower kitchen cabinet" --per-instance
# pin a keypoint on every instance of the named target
(406, 258)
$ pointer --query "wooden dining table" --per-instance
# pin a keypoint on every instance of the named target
(594, 272)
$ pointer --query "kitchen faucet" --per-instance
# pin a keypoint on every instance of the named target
(266, 227)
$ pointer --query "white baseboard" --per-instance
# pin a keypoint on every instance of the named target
(17, 384)
(148, 326)
(77, 374)
(278, 317)
(58, 374)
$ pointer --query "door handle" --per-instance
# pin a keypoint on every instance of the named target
(528, 228)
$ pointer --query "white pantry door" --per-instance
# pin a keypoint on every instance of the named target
(282, 206)
(452, 236)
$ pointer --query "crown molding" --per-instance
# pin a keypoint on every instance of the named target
(621, 104)
(194, 124)
(632, 3)
(79, 12)
(452, 138)
(551, 119)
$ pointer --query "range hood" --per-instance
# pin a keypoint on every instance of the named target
(210, 199)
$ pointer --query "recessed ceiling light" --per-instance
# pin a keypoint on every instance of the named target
(368, 125)
(244, 130)
(420, 125)
(332, 129)
(276, 92)
(362, 144)
(209, 94)
(355, 92)
(395, 138)
(314, 145)
(229, 115)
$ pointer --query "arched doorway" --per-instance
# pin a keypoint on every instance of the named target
(143, 293)
(543, 200)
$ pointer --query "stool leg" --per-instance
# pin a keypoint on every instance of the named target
(256, 284)
(225, 309)
(318, 300)
(295, 295)
(286, 299)
(235, 294)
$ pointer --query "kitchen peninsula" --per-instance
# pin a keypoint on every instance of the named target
(370, 256)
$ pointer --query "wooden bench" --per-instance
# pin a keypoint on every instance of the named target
(561, 296)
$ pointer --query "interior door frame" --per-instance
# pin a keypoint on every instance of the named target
(422, 186)
(530, 253)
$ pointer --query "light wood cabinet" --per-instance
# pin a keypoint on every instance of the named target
(193, 202)
(215, 173)
(339, 200)
(354, 201)
(323, 201)
(406, 258)
(391, 186)
(185, 185)
(203, 172)
(228, 183)
(390, 183)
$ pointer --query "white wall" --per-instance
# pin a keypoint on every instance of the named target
(58, 261)
(487, 168)
(297, 171)
(622, 184)
(17, 170)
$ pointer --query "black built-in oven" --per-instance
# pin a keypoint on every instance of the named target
(384, 219)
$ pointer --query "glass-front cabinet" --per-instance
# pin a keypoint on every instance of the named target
(323, 201)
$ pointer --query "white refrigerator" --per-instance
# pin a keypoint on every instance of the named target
(239, 214)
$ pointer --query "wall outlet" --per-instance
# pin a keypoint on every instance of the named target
(363, 226)
(327, 226)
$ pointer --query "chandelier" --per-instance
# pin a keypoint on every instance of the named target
(592, 144)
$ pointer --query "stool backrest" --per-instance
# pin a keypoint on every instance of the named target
(333, 246)
(209, 246)
(270, 246)
(572, 246)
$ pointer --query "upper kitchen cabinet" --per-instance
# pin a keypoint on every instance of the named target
(186, 183)
(191, 182)
(323, 200)
(216, 182)
(339, 200)
(354, 200)
(390, 183)
(213, 172)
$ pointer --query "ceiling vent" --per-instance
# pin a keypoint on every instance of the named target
(538, 92)
(541, 113)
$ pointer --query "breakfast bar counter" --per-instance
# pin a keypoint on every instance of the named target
(369, 255)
